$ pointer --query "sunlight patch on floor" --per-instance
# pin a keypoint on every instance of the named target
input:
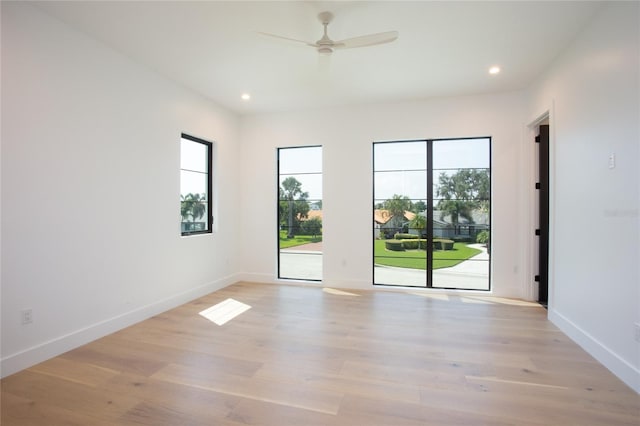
(431, 295)
(501, 300)
(224, 311)
(480, 300)
(477, 301)
(338, 292)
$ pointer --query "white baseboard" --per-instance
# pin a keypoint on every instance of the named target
(254, 277)
(618, 366)
(54, 347)
(270, 279)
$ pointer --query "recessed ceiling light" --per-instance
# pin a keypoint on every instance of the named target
(245, 96)
(494, 70)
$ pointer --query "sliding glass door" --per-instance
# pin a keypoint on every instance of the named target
(431, 213)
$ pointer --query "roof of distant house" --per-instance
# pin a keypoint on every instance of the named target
(383, 216)
(312, 214)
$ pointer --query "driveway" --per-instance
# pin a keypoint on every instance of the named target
(471, 274)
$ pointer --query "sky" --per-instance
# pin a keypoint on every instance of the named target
(305, 164)
(400, 168)
(193, 165)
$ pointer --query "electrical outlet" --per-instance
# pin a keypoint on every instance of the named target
(637, 331)
(27, 316)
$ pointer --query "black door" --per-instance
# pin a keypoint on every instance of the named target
(543, 228)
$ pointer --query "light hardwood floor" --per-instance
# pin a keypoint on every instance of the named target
(304, 356)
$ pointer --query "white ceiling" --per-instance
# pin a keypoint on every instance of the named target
(444, 48)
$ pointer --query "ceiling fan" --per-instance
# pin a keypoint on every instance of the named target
(326, 46)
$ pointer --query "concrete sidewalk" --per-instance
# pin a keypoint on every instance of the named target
(471, 274)
(303, 262)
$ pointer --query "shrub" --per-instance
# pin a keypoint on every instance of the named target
(462, 239)
(394, 245)
(482, 237)
(311, 226)
(401, 236)
(422, 244)
(410, 244)
(442, 244)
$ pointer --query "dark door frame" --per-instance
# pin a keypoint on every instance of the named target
(542, 231)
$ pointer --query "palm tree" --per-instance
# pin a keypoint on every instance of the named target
(199, 208)
(419, 222)
(292, 188)
(193, 205)
(396, 207)
(185, 207)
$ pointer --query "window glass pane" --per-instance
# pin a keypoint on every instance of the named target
(311, 184)
(193, 183)
(442, 241)
(461, 184)
(195, 186)
(412, 184)
(193, 156)
(300, 160)
(400, 156)
(461, 153)
(300, 213)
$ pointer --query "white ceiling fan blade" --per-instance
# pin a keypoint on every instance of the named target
(366, 40)
(288, 39)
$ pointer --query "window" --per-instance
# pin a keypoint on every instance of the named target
(195, 185)
(431, 213)
(300, 213)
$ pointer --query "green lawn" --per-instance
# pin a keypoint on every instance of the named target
(417, 259)
(297, 240)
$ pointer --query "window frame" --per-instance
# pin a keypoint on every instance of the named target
(279, 274)
(209, 194)
(430, 209)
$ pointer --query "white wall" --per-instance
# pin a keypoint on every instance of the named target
(347, 135)
(594, 93)
(90, 190)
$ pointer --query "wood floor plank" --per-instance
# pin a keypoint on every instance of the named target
(304, 356)
(297, 376)
(275, 391)
(48, 391)
(82, 373)
(18, 411)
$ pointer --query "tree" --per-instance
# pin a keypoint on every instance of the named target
(396, 207)
(295, 208)
(419, 206)
(185, 207)
(311, 227)
(193, 205)
(463, 192)
(419, 222)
